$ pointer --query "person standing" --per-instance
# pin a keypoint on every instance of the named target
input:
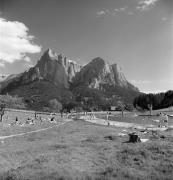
(1, 113)
(35, 115)
(107, 118)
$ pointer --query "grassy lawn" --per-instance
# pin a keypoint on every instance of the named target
(81, 150)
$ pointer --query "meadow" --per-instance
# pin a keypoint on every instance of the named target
(82, 150)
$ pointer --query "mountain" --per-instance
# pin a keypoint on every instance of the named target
(56, 68)
(51, 67)
(98, 77)
(98, 73)
(56, 76)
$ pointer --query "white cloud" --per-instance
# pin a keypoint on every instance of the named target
(116, 10)
(111, 11)
(100, 13)
(145, 4)
(15, 41)
(123, 8)
(164, 18)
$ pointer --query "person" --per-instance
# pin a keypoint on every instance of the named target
(35, 115)
(40, 119)
(67, 115)
(16, 121)
(27, 121)
(107, 118)
(52, 119)
(1, 113)
(92, 115)
(61, 111)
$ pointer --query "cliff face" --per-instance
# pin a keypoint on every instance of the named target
(57, 68)
(119, 77)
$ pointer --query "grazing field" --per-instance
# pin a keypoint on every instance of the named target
(82, 150)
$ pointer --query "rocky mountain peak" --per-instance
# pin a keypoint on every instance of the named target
(50, 53)
(98, 60)
(51, 62)
(98, 73)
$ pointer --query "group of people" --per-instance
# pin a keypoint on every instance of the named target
(164, 119)
(33, 120)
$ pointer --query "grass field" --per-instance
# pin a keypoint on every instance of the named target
(81, 150)
(138, 118)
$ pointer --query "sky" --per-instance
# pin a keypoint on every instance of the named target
(135, 34)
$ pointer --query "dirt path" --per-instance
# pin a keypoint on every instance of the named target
(113, 123)
(30, 132)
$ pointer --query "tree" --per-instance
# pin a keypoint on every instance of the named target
(69, 106)
(158, 101)
(121, 106)
(55, 105)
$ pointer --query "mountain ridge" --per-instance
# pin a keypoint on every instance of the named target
(69, 76)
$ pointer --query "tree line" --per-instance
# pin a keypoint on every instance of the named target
(158, 101)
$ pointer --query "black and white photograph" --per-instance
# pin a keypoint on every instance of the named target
(86, 89)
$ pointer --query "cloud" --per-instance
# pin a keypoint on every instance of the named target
(130, 13)
(164, 18)
(145, 4)
(111, 12)
(123, 8)
(100, 13)
(116, 10)
(15, 42)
